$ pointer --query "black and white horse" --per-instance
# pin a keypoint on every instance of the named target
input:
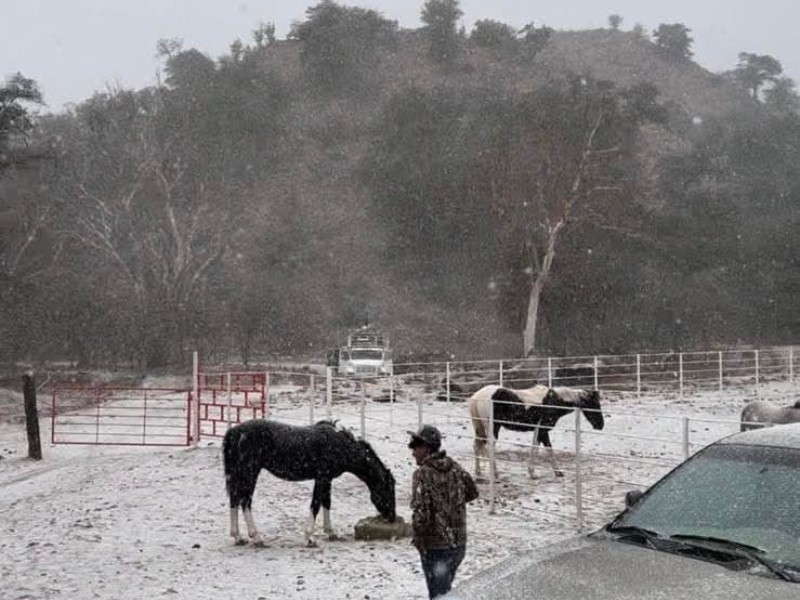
(758, 414)
(321, 452)
(535, 409)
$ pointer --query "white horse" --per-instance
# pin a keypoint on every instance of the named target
(758, 414)
(535, 409)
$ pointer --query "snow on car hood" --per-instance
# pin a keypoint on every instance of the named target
(604, 569)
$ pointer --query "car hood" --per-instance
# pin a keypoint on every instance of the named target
(606, 569)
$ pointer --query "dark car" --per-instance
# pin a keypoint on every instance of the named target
(723, 524)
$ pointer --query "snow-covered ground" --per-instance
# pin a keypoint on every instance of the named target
(132, 523)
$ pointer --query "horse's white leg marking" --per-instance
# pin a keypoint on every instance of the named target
(237, 537)
(551, 455)
(480, 449)
(255, 536)
(310, 529)
(492, 439)
(532, 455)
(326, 525)
(476, 447)
(326, 520)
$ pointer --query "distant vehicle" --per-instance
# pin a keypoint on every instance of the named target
(721, 525)
(367, 354)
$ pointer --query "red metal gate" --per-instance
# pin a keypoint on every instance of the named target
(121, 416)
(225, 399)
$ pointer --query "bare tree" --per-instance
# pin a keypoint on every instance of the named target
(566, 165)
(156, 225)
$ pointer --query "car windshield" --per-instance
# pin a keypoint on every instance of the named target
(744, 494)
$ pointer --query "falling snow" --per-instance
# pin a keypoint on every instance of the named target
(131, 523)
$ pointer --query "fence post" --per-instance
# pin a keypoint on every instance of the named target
(492, 474)
(329, 392)
(229, 390)
(720, 370)
(391, 401)
(791, 365)
(144, 419)
(680, 374)
(639, 376)
(500, 380)
(596, 378)
(189, 419)
(549, 372)
(268, 408)
(578, 483)
(685, 437)
(419, 410)
(194, 413)
(447, 380)
(363, 410)
(758, 385)
(310, 409)
(53, 418)
(31, 416)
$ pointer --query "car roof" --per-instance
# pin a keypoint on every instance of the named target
(783, 436)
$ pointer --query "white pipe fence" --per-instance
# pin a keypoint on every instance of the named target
(598, 465)
(603, 464)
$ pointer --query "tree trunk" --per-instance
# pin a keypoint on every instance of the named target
(542, 274)
(31, 417)
(529, 337)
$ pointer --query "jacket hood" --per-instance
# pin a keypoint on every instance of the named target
(439, 461)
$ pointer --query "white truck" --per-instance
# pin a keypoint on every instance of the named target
(367, 354)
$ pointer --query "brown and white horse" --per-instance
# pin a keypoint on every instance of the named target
(535, 409)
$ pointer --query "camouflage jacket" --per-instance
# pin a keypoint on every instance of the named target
(440, 490)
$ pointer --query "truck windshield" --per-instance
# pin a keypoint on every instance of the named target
(365, 354)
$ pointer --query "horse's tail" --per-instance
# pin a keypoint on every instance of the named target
(479, 422)
(231, 457)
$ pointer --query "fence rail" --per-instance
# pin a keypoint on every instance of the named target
(598, 466)
(120, 416)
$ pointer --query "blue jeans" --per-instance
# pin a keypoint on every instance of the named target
(440, 566)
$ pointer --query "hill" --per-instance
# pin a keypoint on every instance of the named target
(267, 201)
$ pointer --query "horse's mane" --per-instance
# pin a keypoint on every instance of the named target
(360, 443)
(372, 456)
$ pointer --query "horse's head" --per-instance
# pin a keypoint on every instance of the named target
(590, 406)
(380, 482)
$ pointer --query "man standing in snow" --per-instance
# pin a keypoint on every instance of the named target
(440, 490)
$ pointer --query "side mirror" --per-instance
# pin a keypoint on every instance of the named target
(632, 497)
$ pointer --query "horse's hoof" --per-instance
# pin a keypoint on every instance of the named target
(240, 542)
(334, 537)
(259, 544)
(311, 543)
(559, 473)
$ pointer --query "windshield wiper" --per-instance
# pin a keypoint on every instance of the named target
(615, 528)
(634, 530)
(752, 553)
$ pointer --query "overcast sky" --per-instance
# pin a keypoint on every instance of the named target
(73, 48)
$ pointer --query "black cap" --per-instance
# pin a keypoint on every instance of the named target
(428, 435)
